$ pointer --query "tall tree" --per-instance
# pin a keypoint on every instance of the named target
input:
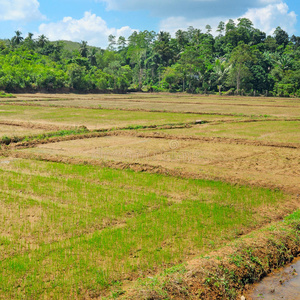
(29, 42)
(241, 56)
(17, 39)
(92, 56)
(121, 43)
(42, 41)
(112, 42)
(163, 48)
(83, 49)
(220, 69)
(281, 36)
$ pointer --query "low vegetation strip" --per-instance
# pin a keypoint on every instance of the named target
(92, 229)
(41, 138)
(6, 95)
(228, 272)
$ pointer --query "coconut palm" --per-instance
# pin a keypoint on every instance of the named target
(42, 41)
(17, 39)
(83, 49)
(220, 69)
(92, 57)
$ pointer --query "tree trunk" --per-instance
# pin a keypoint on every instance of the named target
(238, 81)
(140, 79)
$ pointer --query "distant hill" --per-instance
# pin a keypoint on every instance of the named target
(70, 46)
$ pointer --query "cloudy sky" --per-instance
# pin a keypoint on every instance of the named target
(95, 20)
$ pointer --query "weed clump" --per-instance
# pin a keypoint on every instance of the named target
(4, 95)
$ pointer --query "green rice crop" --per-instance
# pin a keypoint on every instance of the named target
(70, 231)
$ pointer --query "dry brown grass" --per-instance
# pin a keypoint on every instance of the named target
(263, 131)
(10, 131)
(280, 107)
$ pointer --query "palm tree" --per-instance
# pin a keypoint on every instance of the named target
(163, 48)
(83, 49)
(30, 35)
(17, 39)
(42, 41)
(182, 39)
(92, 57)
(221, 70)
(29, 42)
(285, 62)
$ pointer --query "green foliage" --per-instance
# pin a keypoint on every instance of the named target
(84, 215)
(5, 95)
(240, 57)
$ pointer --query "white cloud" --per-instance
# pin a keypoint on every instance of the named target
(90, 28)
(20, 10)
(271, 16)
(274, 13)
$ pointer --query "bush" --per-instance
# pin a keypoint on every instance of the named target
(5, 140)
(230, 92)
(284, 89)
(4, 95)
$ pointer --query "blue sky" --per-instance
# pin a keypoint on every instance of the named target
(95, 20)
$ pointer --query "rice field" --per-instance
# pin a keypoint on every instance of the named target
(76, 230)
(270, 131)
(260, 106)
(100, 191)
(96, 118)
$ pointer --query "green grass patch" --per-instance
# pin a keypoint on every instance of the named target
(79, 230)
(43, 136)
(5, 95)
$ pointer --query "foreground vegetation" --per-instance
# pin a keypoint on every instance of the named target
(229, 272)
(241, 59)
(90, 228)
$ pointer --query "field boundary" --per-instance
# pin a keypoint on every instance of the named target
(228, 272)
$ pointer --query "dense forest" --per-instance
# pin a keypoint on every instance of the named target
(240, 59)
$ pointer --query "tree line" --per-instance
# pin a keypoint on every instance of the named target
(240, 59)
